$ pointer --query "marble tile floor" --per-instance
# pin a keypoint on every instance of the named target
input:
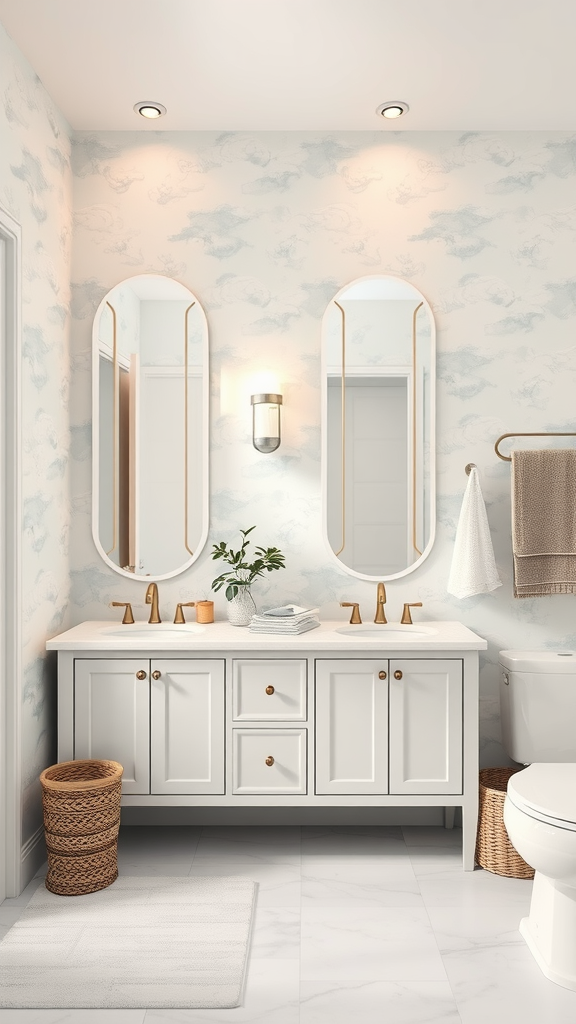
(379, 925)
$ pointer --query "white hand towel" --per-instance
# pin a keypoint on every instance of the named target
(473, 565)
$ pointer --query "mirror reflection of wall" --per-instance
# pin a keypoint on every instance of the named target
(378, 363)
(150, 337)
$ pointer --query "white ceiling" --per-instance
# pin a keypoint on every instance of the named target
(303, 64)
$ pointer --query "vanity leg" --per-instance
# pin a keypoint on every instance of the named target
(449, 813)
(469, 828)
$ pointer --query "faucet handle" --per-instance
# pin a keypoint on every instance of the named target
(179, 616)
(406, 616)
(128, 616)
(355, 619)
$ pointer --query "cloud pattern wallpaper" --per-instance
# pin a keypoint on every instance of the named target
(36, 189)
(265, 228)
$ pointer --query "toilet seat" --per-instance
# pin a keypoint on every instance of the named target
(546, 792)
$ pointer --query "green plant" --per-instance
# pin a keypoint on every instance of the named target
(243, 573)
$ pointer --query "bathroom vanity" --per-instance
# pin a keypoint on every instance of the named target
(218, 716)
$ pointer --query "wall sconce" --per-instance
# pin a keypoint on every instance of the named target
(266, 422)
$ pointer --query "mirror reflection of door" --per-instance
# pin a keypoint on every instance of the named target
(376, 499)
(150, 427)
(378, 355)
(114, 457)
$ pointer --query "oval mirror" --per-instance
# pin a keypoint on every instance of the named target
(378, 390)
(150, 427)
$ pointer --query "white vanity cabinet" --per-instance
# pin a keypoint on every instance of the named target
(186, 726)
(426, 721)
(269, 697)
(161, 718)
(352, 726)
(389, 726)
(220, 717)
(112, 716)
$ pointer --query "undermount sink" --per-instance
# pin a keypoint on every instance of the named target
(150, 630)
(386, 631)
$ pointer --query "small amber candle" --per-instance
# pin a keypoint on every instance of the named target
(204, 611)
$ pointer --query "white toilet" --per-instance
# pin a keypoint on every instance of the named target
(538, 707)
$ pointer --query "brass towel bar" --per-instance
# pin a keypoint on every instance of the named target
(546, 433)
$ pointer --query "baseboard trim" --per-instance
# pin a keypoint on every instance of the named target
(282, 816)
(32, 856)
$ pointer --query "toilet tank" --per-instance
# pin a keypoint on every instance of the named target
(538, 705)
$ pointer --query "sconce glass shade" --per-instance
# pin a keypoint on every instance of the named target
(266, 422)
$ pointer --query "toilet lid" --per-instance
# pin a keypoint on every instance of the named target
(546, 792)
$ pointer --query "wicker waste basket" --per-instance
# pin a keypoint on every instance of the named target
(494, 851)
(81, 801)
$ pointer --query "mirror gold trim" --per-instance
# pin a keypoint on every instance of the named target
(186, 413)
(150, 428)
(343, 430)
(414, 315)
(392, 349)
(115, 373)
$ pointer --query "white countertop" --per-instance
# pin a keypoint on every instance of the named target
(221, 636)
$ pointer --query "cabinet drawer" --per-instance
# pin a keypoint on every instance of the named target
(269, 761)
(271, 690)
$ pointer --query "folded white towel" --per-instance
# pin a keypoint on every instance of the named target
(274, 618)
(288, 611)
(473, 565)
(279, 630)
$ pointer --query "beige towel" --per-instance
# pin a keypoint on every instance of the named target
(544, 522)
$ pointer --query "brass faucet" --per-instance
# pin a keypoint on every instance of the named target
(152, 598)
(406, 619)
(128, 618)
(355, 619)
(380, 602)
(179, 616)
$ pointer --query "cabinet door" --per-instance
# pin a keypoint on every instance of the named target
(187, 729)
(112, 716)
(425, 726)
(352, 726)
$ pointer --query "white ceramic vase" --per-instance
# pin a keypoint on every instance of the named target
(241, 608)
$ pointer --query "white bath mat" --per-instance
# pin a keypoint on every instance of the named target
(142, 942)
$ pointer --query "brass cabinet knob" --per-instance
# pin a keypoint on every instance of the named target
(381, 675)
(269, 690)
(156, 674)
(270, 761)
(397, 674)
(141, 674)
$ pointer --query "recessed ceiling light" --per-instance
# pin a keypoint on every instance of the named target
(392, 109)
(149, 108)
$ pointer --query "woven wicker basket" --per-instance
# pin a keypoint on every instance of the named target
(81, 801)
(494, 851)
